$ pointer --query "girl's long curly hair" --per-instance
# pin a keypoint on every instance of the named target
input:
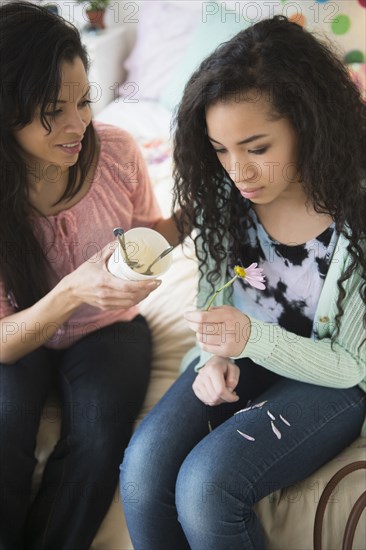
(308, 85)
(33, 45)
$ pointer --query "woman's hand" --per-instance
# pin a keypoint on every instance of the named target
(223, 330)
(91, 283)
(216, 381)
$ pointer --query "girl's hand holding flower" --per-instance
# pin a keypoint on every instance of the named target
(225, 330)
(222, 330)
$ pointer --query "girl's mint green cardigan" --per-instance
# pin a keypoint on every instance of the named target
(311, 360)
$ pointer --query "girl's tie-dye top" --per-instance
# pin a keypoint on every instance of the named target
(294, 277)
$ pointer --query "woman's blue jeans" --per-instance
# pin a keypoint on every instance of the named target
(102, 380)
(183, 487)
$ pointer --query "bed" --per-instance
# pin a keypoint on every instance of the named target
(144, 107)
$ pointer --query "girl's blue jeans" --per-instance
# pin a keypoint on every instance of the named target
(185, 487)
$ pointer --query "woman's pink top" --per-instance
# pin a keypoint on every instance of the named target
(120, 195)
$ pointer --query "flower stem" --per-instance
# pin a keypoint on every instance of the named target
(212, 299)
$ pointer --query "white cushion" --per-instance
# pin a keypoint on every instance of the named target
(163, 33)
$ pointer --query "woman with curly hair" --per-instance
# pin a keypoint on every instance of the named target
(269, 167)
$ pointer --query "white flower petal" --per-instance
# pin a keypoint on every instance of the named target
(259, 405)
(284, 420)
(276, 431)
(248, 437)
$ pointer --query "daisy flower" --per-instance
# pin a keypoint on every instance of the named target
(252, 274)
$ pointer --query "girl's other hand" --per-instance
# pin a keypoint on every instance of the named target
(223, 330)
(216, 381)
(91, 283)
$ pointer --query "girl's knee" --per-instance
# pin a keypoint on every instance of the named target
(149, 468)
(208, 491)
(197, 491)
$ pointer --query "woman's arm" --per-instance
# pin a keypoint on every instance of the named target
(90, 283)
(30, 328)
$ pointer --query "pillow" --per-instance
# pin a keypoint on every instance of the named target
(342, 22)
(214, 28)
(163, 33)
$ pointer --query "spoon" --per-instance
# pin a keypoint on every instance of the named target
(120, 234)
(160, 257)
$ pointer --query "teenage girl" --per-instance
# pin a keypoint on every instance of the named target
(269, 166)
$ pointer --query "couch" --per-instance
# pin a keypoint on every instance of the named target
(287, 515)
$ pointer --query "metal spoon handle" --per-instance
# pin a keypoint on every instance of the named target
(120, 234)
(160, 257)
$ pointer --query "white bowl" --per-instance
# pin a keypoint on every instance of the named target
(144, 245)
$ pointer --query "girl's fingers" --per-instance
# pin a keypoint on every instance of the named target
(232, 376)
(213, 387)
(204, 391)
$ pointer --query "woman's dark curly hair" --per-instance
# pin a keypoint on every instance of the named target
(33, 45)
(308, 85)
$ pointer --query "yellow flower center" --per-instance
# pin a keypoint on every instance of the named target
(240, 271)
